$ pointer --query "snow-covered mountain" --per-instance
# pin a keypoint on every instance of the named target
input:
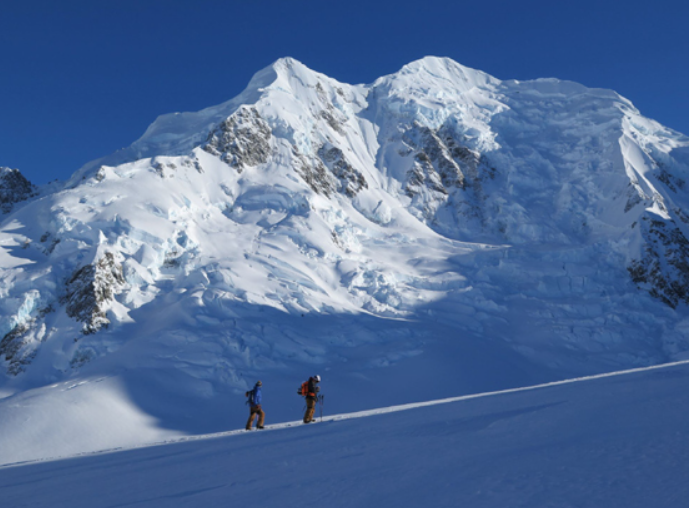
(436, 223)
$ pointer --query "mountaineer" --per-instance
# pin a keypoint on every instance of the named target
(254, 402)
(310, 391)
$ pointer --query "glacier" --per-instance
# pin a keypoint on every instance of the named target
(437, 227)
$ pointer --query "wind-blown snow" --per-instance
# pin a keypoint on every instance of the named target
(438, 224)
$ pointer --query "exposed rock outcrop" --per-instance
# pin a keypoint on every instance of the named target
(242, 140)
(90, 290)
(13, 347)
(351, 181)
(329, 172)
(432, 151)
(664, 268)
(19, 346)
(441, 162)
(314, 173)
(14, 188)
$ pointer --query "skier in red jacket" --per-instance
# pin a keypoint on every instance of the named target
(311, 393)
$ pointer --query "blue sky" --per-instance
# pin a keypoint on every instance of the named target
(80, 79)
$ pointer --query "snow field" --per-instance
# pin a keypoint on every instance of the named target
(618, 440)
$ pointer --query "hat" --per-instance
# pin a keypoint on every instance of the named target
(317, 378)
(258, 383)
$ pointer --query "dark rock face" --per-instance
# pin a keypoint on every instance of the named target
(314, 173)
(329, 172)
(664, 268)
(328, 112)
(351, 181)
(441, 162)
(446, 176)
(19, 346)
(13, 347)
(674, 183)
(242, 140)
(88, 291)
(423, 174)
(13, 189)
(434, 160)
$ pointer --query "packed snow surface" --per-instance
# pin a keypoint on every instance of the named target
(438, 232)
(615, 441)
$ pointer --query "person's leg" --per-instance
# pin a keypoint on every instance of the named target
(250, 422)
(310, 409)
(261, 417)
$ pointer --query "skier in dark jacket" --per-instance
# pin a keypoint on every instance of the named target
(255, 404)
(311, 397)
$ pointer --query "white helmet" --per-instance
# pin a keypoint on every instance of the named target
(317, 378)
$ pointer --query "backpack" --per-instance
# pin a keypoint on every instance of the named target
(304, 389)
(251, 394)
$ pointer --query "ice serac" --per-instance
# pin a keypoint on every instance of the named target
(435, 215)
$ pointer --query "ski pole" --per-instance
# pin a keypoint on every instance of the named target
(322, 397)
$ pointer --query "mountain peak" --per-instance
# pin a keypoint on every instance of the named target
(289, 65)
(442, 72)
(284, 71)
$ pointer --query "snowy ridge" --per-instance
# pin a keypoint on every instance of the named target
(434, 218)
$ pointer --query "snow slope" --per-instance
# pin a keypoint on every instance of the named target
(614, 441)
(438, 230)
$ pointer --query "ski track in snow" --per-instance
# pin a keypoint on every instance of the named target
(616, 441)
(360, 414)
